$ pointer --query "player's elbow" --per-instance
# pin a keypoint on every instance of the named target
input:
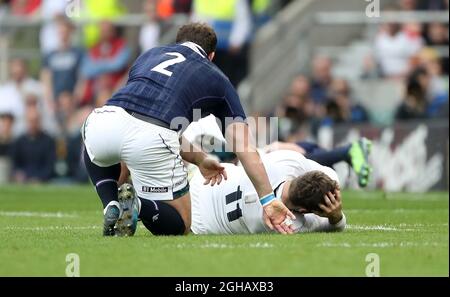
(239, 138)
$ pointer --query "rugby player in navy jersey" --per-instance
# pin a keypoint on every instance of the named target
(139, 126)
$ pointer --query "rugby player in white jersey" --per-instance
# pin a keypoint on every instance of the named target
(309, 189)
(306, 187)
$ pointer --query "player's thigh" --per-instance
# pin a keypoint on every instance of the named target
(103, 133)
(152, 155)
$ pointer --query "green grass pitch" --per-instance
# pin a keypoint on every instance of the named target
(39, 226)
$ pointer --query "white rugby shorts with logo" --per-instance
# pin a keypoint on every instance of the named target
(151, 152)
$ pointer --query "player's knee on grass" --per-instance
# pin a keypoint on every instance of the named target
(167, 222)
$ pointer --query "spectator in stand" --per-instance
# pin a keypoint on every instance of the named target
(159, 11)
(415, 103)
(96, 11)
(183, 6)
(408, 5)
(297, 107)
(77, 170)
(11, 103)
(437, 35)
(66, 108)
(301, 89)
(341, 107)
(437, 89)
(321, 79)
(394, 48)
(6, 133)
(106, 63)
(52, 12)
(150, 31)
(6, 139)
(25, 7)
(261, 12)
(370, 68)
(232, 21)
(21, 87)
(433, 4)
(164, 8)
(61, 67)
(71, 119)
(33, 153)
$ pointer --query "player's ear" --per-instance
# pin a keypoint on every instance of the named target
(211, 56)
(302, 210)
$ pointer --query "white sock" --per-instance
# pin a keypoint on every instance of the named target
(139, 206)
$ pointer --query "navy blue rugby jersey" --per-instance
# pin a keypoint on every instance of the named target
(171, 81)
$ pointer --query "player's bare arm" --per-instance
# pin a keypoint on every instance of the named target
(276, 214)
(211, 170)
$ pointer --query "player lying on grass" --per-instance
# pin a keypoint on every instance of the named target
(140, 127)
(206, 133)
(281, 165)
(306, 187)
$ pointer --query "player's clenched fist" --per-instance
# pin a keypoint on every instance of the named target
(278, 217)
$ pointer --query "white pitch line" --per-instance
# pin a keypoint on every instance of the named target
(58, 215)
(377, 228)
(423, 225)
(394, 227)
(49, 228)
(380, 244)
(212, 245)
(394, 210)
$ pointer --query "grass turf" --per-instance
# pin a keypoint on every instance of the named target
(39, 226)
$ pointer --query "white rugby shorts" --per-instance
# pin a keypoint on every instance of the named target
(151, 152)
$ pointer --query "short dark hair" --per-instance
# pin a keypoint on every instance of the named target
(7, 115)
(308, 190)
(199, 33)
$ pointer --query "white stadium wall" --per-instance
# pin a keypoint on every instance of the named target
(412, 157)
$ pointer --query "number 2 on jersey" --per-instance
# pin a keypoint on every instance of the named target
(162, 67)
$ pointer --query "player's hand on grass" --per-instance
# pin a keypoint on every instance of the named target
(332, 208)
(278, 217)
(212, 171)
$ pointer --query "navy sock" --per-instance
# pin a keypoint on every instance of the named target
(161, 218)
(104, 178)
(329, 158)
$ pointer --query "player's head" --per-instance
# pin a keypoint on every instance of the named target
(308, 191)
(201, 34)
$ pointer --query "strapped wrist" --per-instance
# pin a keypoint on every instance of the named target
(266, 200)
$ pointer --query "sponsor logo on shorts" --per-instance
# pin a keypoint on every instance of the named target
(182, 182)
(146, 189)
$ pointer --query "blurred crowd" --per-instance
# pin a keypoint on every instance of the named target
(83, 63)
(407, 53)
